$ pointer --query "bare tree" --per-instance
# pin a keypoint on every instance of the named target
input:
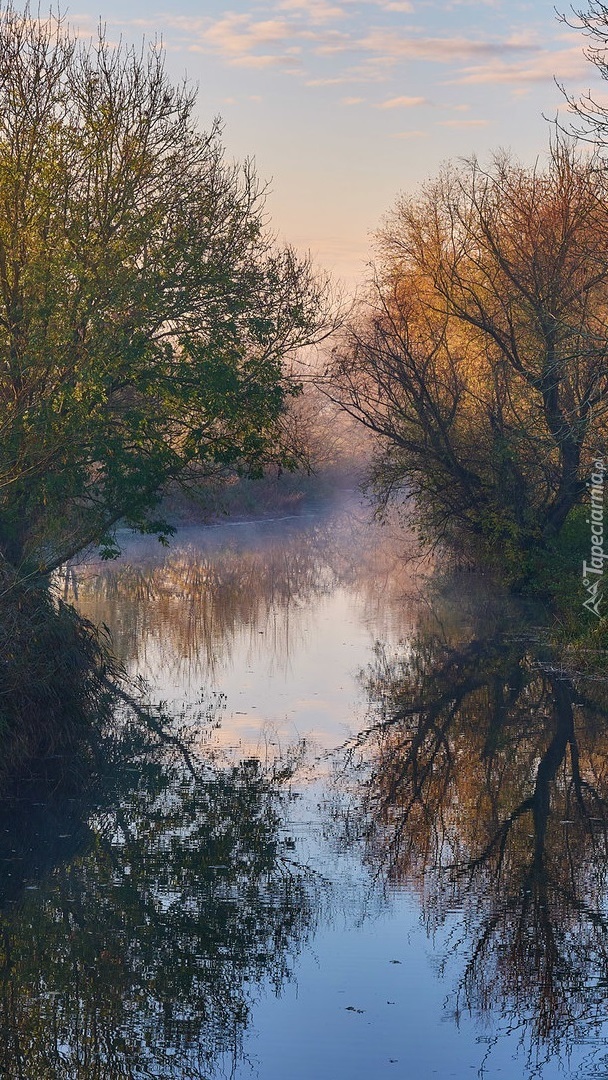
(591, 113)
(479, 355)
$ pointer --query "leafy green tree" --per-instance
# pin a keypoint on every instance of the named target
(145, 313)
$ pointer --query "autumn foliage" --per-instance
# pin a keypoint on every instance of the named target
(479, 354)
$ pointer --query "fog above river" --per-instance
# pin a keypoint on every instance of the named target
(276, 614)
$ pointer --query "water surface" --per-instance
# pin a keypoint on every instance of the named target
(426, 896)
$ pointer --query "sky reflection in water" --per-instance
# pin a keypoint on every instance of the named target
(436, 901)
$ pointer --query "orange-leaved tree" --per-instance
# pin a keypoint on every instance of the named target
(478, 357)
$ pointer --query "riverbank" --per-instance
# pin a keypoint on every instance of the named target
(276, 494)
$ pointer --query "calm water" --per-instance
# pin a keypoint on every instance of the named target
(426, 895)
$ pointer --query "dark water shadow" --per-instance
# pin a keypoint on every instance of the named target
(145, 898)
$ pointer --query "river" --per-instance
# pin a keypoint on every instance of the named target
(376, 846)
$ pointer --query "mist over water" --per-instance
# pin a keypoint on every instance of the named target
(274, 614)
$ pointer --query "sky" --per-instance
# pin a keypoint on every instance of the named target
(345, 104)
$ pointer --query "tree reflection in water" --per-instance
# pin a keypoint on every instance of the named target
(190, 603)
(486, 789)
(138, 911)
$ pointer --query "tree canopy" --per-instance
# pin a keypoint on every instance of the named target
(145, 312)
(478, 357)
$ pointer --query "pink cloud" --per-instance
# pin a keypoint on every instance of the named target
(402, 103)
(567, 63)
(317, 11)
(236, 35)
(462, 123)
(441, 49)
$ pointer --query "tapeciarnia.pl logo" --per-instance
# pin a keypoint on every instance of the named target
(593, 572)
